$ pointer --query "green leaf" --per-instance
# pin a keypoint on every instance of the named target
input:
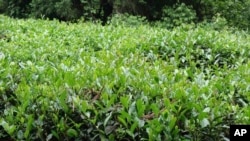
(107, 118)
(63, 100)
(172, 123)
(132, 109)
(8, 128)
(125, 101)
(155, 108)
(55, 134)
(123, 121)
(29, 126)
(133, 127)
(72, 132)
(140, 107)
(140, 122)
(109, 129)
(20, 134)
(204, 122)
(49, 137)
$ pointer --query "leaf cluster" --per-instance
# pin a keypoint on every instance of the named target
(67, 81)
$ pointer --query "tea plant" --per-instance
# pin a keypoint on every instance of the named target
(64, 81)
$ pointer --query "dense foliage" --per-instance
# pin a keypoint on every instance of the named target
(170, 12)
(64, 81)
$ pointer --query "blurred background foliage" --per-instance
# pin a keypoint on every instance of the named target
(167, 13)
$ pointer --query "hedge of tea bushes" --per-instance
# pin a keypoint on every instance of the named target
(83, 81)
